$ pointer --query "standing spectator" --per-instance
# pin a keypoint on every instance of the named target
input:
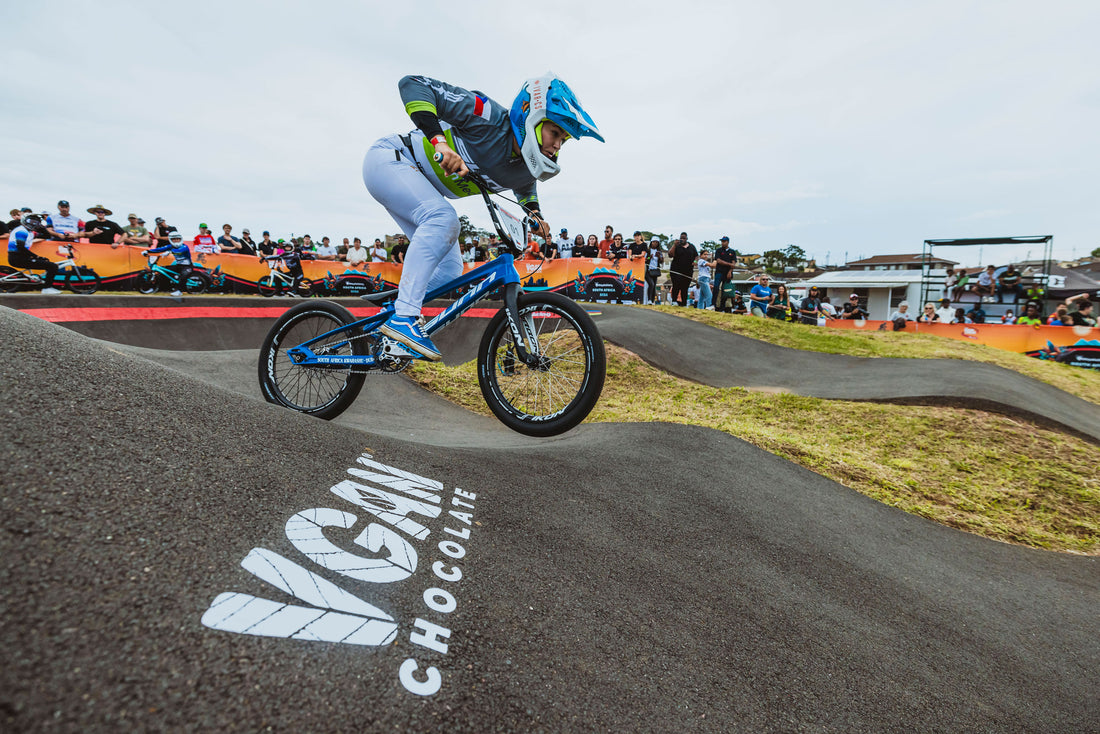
(654, 259)
(204, 241)
(135, 233)
(705, 299)
(397, 254)
(1009, 280)
(342, 250)
(64, 225)
(227, 242)
(902, 314)
(246, 243)
(161, 231)
(852, 309)
(467, 248)
(591, 248)
(16, 219)
(325, 251)
(1032, 315)
(985, 286)
(618, 250)
(101, 231)
(760, 297)
(481, 252)
(357, 254)
(19, 250)
(809, 310)
(605, 243)
(564, 244)
(827, 308)
(682, 256)
(725, 260)
(638, 250)
(378, 252)
(308, 249)
(533, 251)
(265, 246)
(578, 246)
(780, 307)
(549, 249)
(929, 316)
(1082, 315)
(945, 313)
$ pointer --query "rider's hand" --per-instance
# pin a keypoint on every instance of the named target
(452, 162)
(543, 228)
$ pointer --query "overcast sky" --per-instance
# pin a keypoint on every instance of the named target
(847, 128)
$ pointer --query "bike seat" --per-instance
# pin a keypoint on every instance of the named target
(381, 297)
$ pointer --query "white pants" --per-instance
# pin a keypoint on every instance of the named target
(422, 213)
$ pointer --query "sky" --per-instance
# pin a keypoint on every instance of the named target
(847, 128)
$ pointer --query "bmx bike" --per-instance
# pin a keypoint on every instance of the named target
(78, 278)
(540, 363)
(149, 281)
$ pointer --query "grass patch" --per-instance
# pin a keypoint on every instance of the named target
(987, 474)
(1083, 383)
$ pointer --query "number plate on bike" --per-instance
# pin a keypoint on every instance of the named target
(513, 226)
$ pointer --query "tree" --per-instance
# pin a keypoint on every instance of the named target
(794, 255)
(774, 261)
(1096, 252)
(467, 231)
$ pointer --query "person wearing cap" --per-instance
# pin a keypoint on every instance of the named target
(161, 231)
(563, 244)
(760, 297)
(265, 246)
(246, 243)
(725, 260)
(853, 311)
(809, 310)
(134, 233)
(204, 241)
(102, 231)
(64, 225)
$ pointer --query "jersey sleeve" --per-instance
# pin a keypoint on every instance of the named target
(454, 105)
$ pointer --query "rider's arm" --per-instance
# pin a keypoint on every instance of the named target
(427, 101)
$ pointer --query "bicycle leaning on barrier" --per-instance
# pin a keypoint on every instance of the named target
(540, 364)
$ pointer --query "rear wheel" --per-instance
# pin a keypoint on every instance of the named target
(197, 282)
(146, 282)
(321, 391)
(85, 284)
(559, 392)
(9, 279)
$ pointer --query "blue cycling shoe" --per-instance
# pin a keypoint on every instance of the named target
(406, 329)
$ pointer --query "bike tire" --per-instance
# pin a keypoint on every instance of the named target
(266, 286)
(552, 400)
(85, 284)
(9, 286)
(317, 391)
(146, 282)
(197, 283)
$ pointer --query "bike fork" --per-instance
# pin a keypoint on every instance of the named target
(523, 329)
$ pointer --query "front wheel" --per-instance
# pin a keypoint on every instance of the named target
(267, 286)
(325, 392)
(559, 392)
(146, 282)
(84, 284)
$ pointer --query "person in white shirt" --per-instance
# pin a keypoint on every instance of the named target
(357, 254)
(945, 312)
(325, 251)
(563, 244)
(378, 252)
(63, 225)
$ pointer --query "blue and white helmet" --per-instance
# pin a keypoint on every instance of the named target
(547, 98)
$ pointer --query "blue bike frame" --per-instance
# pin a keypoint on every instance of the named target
(497, 273)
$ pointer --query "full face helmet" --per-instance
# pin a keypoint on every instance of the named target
(541, 99)
(175, 237)
(32, 222)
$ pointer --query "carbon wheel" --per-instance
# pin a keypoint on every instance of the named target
(559, 392)
(324, 392)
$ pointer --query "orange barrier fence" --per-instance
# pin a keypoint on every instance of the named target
(583, 278)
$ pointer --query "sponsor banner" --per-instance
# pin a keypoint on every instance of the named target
(1078, 345)
(595, 279)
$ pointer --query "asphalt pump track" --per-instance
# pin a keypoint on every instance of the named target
(180, 555)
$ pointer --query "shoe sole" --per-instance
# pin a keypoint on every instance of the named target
(399, 337)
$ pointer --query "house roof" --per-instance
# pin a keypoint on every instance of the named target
(916, 259)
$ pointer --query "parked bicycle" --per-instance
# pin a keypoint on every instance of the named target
(156, 275)
(541, 362)
(77, 278)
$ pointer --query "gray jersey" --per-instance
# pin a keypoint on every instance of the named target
(477, 128)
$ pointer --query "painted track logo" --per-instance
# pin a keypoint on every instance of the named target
(399, 502)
